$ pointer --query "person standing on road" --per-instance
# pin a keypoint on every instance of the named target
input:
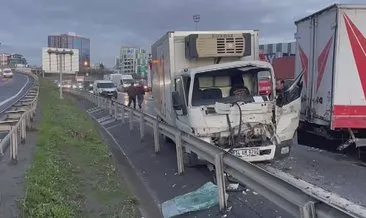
(140, 94)
(132, 92)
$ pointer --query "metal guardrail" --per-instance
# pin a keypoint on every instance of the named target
(18, 120)
(294, 199)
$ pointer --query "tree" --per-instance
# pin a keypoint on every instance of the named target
(101, 66)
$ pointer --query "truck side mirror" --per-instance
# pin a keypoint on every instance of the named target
(177, 103)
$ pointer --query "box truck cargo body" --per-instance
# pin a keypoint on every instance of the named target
(331, 51)
(206, 83)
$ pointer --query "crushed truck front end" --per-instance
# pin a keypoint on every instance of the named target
(225, 108)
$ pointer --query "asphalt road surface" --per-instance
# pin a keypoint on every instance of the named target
(159, 171)
(333, 172)
(12, 89)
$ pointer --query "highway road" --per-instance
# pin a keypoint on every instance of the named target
(333, 172)
(13, 89)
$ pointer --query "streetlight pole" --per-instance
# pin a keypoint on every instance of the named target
(59, 55)
(196, 20)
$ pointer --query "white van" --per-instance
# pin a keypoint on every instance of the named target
(105, 88)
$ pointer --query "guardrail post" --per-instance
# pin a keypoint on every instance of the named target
(23, 129)
(14, 145)
(220, 180)
(123, 114)
(110, 107)
(142, 127)
(105, 103)
(115, 111)
(308, 210)
(131, 119)
(27, 121)
(156, 136)
(179, 149)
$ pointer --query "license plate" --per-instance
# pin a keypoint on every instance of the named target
(246, 152)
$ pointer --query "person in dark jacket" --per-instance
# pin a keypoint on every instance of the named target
(140, 94)
(280, 86)
(132, 92)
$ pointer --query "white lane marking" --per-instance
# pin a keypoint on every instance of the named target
(16, 95)
(108, 121)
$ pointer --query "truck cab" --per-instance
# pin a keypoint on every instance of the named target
(208, 84)
(222, 105)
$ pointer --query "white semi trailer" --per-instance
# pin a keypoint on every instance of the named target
(331, 51)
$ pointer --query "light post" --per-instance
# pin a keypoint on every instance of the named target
(196, 20)
(59, 55)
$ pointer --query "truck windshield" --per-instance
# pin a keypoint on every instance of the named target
(105, 85)
(228, 85)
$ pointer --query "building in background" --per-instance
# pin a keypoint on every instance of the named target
(73, 41)
(17, 60)
(133, 60)
(12, 60)
(67, 63)
(4, 60)
(282, 58)
(117, 63)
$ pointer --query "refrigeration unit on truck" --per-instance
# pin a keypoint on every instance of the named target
(331, 51)
(206, 83)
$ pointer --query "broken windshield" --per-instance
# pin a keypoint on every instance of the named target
(228, 85)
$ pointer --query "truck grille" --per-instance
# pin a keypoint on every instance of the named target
(230, 45)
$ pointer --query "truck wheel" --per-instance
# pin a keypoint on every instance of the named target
(190, 159)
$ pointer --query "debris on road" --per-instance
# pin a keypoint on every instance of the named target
(232, 187)
(203, 198)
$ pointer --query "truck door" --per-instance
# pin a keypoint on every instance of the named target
(322, 62)
(181, 85)
(288, 110)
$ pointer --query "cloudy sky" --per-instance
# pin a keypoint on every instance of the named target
(109, 24)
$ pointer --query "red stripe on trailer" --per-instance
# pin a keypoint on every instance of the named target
(358, 44)
(351, 110)
(349, 116)
(349, 122)
(304, 64)
(322, 62)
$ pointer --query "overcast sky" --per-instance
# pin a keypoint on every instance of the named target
(25, 24)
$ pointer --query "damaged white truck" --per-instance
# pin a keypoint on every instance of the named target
(206, 83)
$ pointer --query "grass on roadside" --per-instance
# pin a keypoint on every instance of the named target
(72, 174)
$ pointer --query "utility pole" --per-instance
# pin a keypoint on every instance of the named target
(196, 20)
(59, 55)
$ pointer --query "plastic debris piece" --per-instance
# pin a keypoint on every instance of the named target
(255, 193)
(203, 198)
(232, 186)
